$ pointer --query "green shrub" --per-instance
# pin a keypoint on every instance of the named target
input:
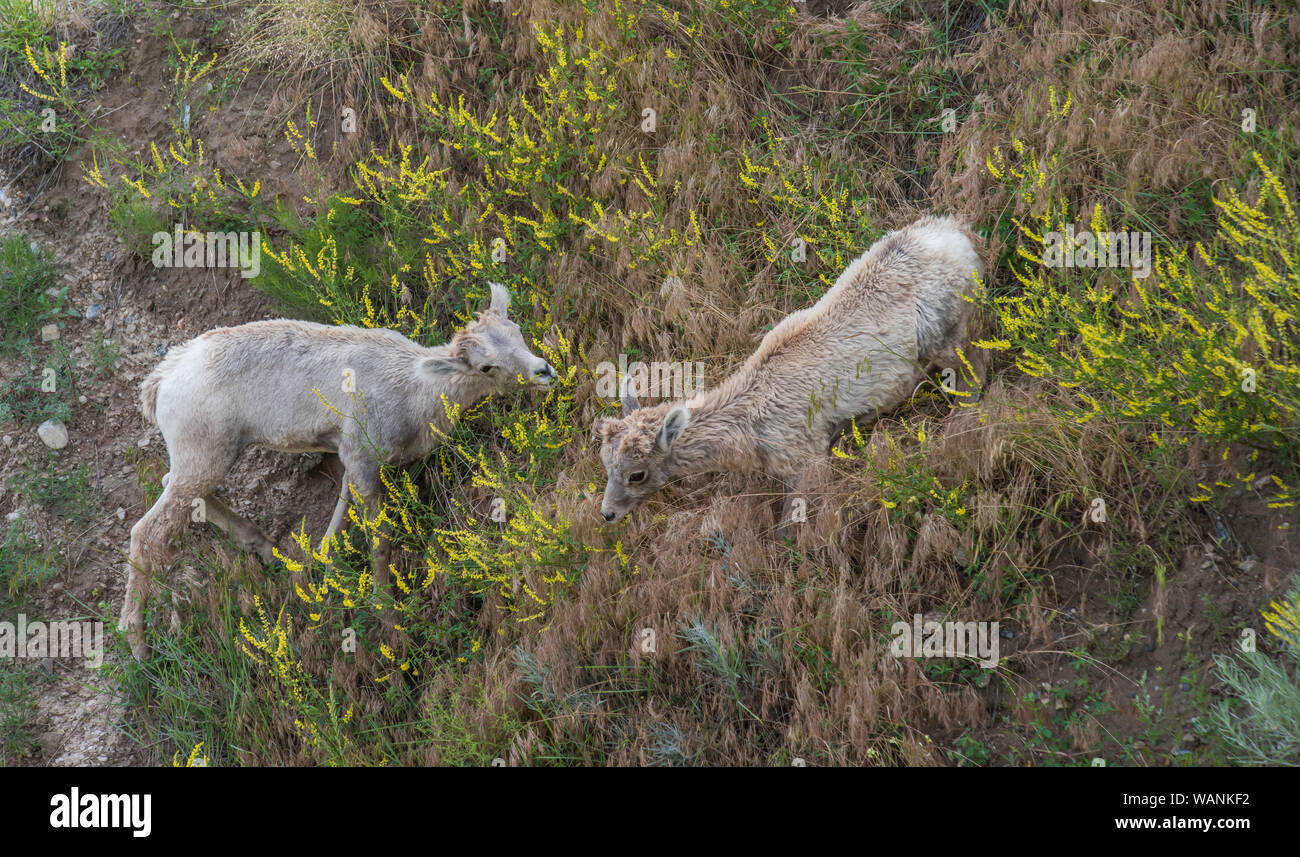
(1207, 347)
(1262, 722)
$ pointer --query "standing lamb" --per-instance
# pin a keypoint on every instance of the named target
(896, 311)
(372, 396)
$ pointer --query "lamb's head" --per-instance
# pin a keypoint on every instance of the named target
(637, 451)
(492, 348)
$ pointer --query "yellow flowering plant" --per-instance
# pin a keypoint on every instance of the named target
(1207, 346)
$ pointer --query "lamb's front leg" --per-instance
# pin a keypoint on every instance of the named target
(361, 472)
(340, 513)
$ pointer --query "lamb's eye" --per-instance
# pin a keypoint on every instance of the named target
(639, 476)
(485, 369)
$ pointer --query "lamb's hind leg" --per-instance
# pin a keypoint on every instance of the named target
(966, 377)
(956, 376)
(150, 548)
(836, 430)
(246, 534)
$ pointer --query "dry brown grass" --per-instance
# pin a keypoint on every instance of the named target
(766, 652)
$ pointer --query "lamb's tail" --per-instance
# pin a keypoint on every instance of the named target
(149, 395)
(149, 389)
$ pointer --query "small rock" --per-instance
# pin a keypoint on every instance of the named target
(1007, 635)
(82, 399)
(8, 440)
(49, 333)
(143, 442)
(53, 434)
(47, 665)
(13, 516)
(94, 311)
(121, 513)
(1248, 565)
(1220, 532)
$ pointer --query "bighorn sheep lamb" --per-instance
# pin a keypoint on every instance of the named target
(372, 396)
(896, 311)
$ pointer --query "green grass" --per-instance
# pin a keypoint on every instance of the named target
(17, 713)
(25, 566)
(27, 273)
(135, 221)
(67, 494)
(40, 392)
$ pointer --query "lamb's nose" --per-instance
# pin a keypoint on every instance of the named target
(609, 516)
(547, 371)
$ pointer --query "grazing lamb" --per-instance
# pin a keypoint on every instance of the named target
(372, 396)
(862, 349)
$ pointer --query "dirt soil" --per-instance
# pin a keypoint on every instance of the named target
(145, 311)
(1236, 566)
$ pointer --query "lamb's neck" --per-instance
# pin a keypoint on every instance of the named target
(719, 436)
(461, 392)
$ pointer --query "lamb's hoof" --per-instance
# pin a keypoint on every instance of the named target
(139, 645)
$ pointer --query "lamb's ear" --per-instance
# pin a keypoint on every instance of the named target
(628, 397)
(674, 424)
(447, 366)
(500, 298)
